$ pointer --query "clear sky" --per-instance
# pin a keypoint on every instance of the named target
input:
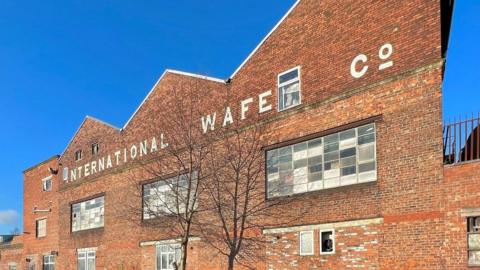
(62, 61)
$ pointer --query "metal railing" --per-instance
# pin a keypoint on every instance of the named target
(461, 140)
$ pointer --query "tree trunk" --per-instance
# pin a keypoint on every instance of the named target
(231, 262)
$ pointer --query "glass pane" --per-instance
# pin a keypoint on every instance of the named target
(366, 167)
(348, 170)
(306, 241)
(292, 95)
(366, 139)
(331, 139)
(327, 241)
(366, 153)
(368, 129)
(474, 258)
(348, 152)
(288, 76)
(474, 241)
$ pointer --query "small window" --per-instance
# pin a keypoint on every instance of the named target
(95, 149)
(86, 259)
(306, 243)
(289, 93)
(327, 242)
(47, 184)
(12, 266)
(49, 262)
(167, 256)
(78, 155)
(473, 235)
(41, 228)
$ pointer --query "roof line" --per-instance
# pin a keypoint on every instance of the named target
(83, 122)
(161, 77)
(43, 162)
(265, 38)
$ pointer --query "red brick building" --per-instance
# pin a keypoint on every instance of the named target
(349, 97)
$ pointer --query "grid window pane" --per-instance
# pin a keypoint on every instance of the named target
(289, 89)
(473, 236)
(343, 158)
(88, 214)
(170, 196)
(167, 256)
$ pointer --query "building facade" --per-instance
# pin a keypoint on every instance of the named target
(348, 95)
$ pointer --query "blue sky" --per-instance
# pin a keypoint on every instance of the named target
(59, 63)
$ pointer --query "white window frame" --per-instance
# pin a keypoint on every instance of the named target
(12, 266)
(44, 182)
(81, 155)
(333, 239)
(97, 145)
(87, 252)
(37, 231)
(158, 247)
(312, 243)
(51, 262)
(279, 85)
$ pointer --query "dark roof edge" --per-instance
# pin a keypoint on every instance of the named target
(446, 8)
(41, 163)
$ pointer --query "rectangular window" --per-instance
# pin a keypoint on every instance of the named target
(339, 159)
(327, 242)
(88, 214)
(78, 155)
(41, 228)
(49, 262)
(167, 196)
(47, 184)
(473, 236)
(289, 92)
(306, 243)
(86, 259)
(95, 149)
(12, 266)
(167, 256)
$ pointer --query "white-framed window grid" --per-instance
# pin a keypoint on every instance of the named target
(78, 155)
(12, 266)
(473, 241)
(167, 255)
(327, 242)
(47, 184)
(307, 246)
(88, 214)
(41, 227)
(86, 259)
(289, 89)
(339, 159)
(49, 262)
(95, 149)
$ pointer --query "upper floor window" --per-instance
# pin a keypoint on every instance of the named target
(339, 159)
(47, 184)
(473, 236)
(12, 266)
(49, 262)
(327, 241)
(95, 149)
(168, 196)
(41, 228)
(88, 214)
(78, 155)
(289, 91)
(306, 243)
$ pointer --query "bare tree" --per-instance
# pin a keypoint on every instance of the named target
(236, 197)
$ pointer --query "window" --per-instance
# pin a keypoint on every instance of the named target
(41, 228)
(86, 259)
(327, 242)
(339, 159)
(88, 214)
(167, 255)
(12, 266)
(48, 262)
(306, 243)
(168, 196)
(47, 184)
(289, 89)
(473, 236)
(78, 155)
(95, 149)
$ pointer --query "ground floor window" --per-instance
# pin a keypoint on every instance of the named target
(167, 256)
(86, 259)
(473, 236)
(49, 262)
(12, 266)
